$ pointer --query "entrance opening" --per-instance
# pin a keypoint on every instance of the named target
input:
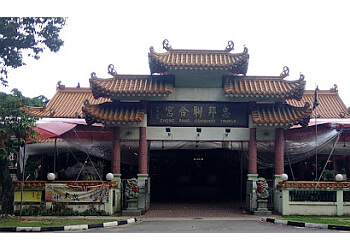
(192, 176)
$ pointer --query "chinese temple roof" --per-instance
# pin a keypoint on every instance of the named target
(66, 103)
(264, 86)
(113, 113)
(330, 104)
(132, 85)
(283, 115)
(207, 60)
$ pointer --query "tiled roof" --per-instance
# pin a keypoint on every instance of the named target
(221, 60)
(330, 104)
(132, 85)
(66, 103)
(113, 113)
(263, 87)
(283, 115)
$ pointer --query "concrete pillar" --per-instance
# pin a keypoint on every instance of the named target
(279, 151)
(340, 203)
(279, 162)
(143, 152)
(253, 153)
(144, 192)
(116, 193)
(116, 149)
(252, 175)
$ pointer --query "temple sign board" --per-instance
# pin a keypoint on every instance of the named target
(205, 114)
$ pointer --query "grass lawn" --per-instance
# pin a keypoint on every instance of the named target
(330, 220)
(49, 222)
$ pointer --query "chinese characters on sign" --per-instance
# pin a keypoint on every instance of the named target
(60, 192)
(197, 114)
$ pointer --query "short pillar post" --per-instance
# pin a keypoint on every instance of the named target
(142, 177)
(340, 203)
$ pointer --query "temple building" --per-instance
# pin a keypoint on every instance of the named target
(191, 129)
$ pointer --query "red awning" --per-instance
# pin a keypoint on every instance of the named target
(52, 128)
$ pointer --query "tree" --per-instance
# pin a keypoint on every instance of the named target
(16, 127)
(30, 35)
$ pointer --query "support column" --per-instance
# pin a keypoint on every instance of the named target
(252, 175)
(143, 152)
(253, 154)
(279, 161)
(116, 157)
(116, 150)
(279, 152)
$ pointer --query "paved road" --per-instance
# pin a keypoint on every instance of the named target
(206, 225)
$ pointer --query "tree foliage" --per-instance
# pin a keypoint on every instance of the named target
(27, 36)
(16, 127)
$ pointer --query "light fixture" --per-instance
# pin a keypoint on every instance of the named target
(284, 177)
(109, 176)
(168, 130)
(227, 131)
(344, 143)
(51, 176)
(339, 177)
(199, 130)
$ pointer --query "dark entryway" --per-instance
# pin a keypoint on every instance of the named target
(207, 175)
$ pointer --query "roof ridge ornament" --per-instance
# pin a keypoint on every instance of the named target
(285, 72)
(111, 70)
(230, 46)
(166, 45)
(245, 50)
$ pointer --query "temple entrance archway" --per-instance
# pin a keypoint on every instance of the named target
(196, 176)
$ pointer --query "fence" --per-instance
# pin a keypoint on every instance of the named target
(313, 198)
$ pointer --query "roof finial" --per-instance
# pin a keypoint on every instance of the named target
(285, 72)
(60, 86)
(111, 70)
(166, 45)
(334, 89)
(230, 46)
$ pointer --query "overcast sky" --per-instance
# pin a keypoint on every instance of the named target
(310, 37)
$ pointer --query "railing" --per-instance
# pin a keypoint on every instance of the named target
(346, 196)
(311, 195)
(313, 198)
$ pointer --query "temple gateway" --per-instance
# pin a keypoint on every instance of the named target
(189, 131)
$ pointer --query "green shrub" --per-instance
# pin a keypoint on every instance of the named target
(328, 175)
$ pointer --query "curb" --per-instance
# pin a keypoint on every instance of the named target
(303, 224)
(68, 228)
